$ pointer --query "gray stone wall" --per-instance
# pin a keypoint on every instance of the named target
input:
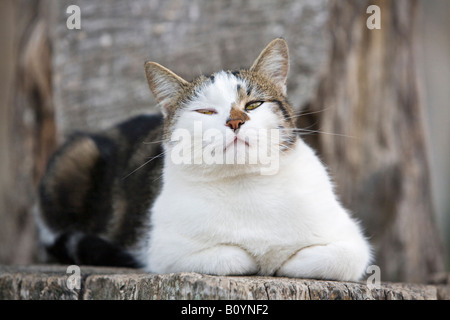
(51, 283)
(99, 74)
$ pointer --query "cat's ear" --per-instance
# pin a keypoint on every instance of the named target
(273, 62)
(165, 85)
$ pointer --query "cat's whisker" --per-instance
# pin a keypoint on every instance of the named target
(144, 164)
(309, 131)
(156, 179)
(300, 113)
(311, 125)
(154, 142)
(313, 112)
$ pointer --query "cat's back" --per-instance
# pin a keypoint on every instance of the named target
(94, 179)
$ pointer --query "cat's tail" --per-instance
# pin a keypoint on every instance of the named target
(83, 249)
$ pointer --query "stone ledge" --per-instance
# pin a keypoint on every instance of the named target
(47, 282)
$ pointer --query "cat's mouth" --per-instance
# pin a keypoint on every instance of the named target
(235, 142)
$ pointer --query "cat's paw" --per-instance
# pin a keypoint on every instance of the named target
(333, 262)
(229, 260)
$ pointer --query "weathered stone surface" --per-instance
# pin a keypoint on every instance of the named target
(442, 282)
(50, 283)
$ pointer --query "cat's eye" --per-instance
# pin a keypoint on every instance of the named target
(206, 111)
(253, 105)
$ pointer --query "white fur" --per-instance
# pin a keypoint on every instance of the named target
(46, 236)
(229, 219)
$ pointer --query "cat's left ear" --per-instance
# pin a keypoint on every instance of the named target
(273, 62)
(165, 85)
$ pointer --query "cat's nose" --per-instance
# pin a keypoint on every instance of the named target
(235, 123)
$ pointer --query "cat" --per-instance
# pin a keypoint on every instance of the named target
(156, 192)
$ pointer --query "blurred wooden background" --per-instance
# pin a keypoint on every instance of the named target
(362, 88)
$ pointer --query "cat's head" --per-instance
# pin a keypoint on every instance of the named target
(231, 122)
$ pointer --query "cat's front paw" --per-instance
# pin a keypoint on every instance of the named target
(333, 262)
(229, 260)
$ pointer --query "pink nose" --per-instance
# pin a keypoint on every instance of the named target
(235, 123)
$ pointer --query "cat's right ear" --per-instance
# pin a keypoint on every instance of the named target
(274, 63)
(165, 85)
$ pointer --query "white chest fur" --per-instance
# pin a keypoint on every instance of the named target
(268, 217)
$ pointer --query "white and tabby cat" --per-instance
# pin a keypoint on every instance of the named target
(100, 205)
